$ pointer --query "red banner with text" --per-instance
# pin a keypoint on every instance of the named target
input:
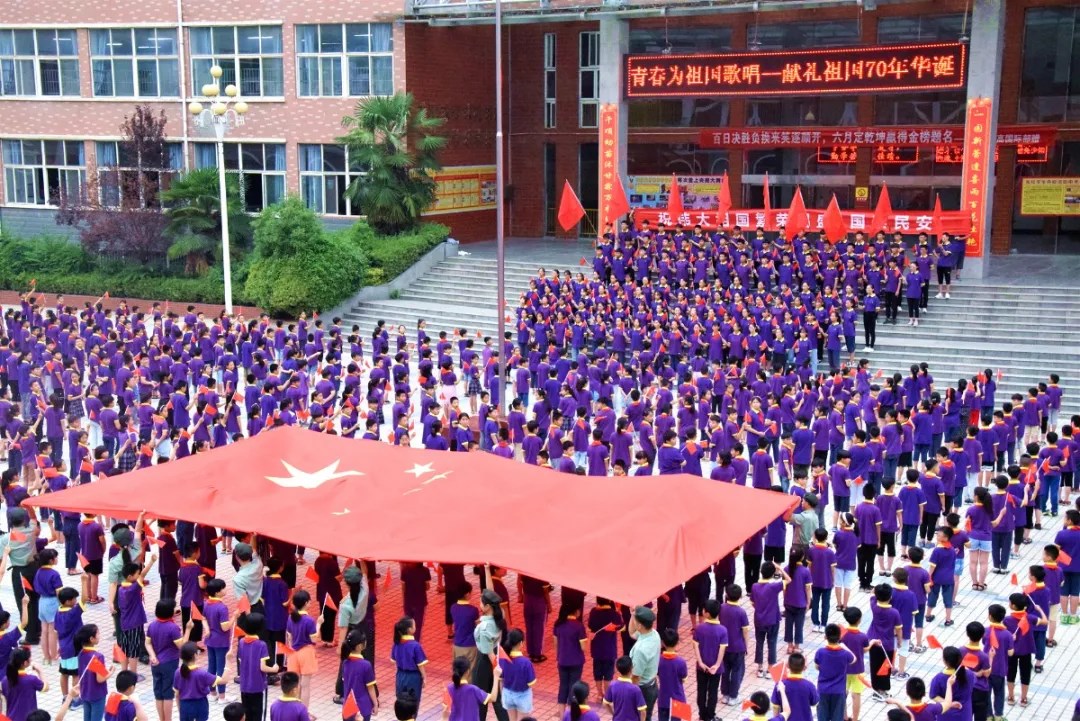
(974, 179)
(609, 160)
(908, 223)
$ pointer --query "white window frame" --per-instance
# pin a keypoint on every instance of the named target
(550, 80)
(33, 178)
(231, 61)
(12, 58)
(342, 57)
(589, 67)
(150, 56)
(206, 151)
(316, 180)
(175, 162)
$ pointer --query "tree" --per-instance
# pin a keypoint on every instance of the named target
(118, 212)
(194, 218)
(393, 142)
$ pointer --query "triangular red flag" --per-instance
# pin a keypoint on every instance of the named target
(994, 642)
(1013, 581)
(886, 667)
(583, 261)
(768, 203)
(502, 654)
(244, 604)
(932, 641)
(1063, 557)
(82, 560)
(96, 666)
(238, 632)
(747, 705)
(1024, 625)
(879, 374)
(835, 227)
(112, 704)
(207, 571)
(196, 614)
(883, 211)
(797, 221)
(680, 710)
(936, 226)
(1030, 588)
(282, 649)
(570, 209)
(617, 205)
(778, 671)
(26, 583)
(611, 627)
(447, 699)
(723, 199)
(311, 574)
(970, 661)
(674, 201)
(350, 708)
(329, 603)
(118, 653)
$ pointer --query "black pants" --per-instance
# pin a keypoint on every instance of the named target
(708, 685)
(869, 321)
(752, 567)
(169, 586)
(877, 660)
(254, 706)
(928, 527)
(650, 691)
(924, 301)
(864, 558)
(484, 679)
(31, 624)
(892, 302)
(196, 629)
(1023, 664)
(913, 308)
(328, 624)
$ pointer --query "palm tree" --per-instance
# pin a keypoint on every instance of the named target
(392, 142)
(194, 212)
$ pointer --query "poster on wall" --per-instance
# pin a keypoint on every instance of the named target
(463, 188)
(1050, 196)
(699, 192)
(975, 184)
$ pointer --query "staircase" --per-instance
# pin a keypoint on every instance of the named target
(1025, 332)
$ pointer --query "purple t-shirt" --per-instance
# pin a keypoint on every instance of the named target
(217, 613)
(163, 636)
(357, 677)
(569, 634)
(833, 663)
(250, 653)
(765, 598)
(288, 709)
(129, 598)
(20, 698)
(821, 558)
(626, 700)
(465, 616)
(465, 701)
(195, 686)
(670, 673)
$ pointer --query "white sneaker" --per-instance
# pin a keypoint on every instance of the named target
(939, 296)
(916, 321)
(868, 349)
(947, 296)
(911, 321)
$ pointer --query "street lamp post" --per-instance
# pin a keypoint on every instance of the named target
(222, 114)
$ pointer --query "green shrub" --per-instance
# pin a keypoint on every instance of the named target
(394, 254)
(42, 255)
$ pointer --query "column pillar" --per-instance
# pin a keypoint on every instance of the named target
(614, 44)
(984, 81)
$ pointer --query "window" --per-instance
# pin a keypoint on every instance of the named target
(249, 56)
(325, 175)
(677, 158)
(828, 110)
(128, 177)
(824, 34)
(1050, 72)
(681, 40)
(134, 62)
(40, 172)
(354, 59)
(39, 62)
(261, 167)
(589, 80)
(678, 113)
(920, 29)
(549, 80)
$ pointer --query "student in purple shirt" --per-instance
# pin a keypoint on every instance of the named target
(822, 561)
(165, 640)
(289, 707)
(623, 696)
(570, 638)
(884, 635)
(124, 706)
(942, 565)
(832, 663)
(670, 675)
(358, 675)
(465, 699)
(597, 454)
(710, 646)
(796, 599)
(409, 659)
(794, 695)
(578, 709)
(193, 684)
(256, 662)
(21, 684)
(733, 618)
(765, 598)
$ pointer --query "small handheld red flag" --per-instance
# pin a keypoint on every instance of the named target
(1013, 580)
(26, 583)
(1000, 374)
(610, 627)
(112, 705)
(680, 710)
(970, 661)
(238, 632)
(329, 603)
(447, 699)
(207, 571)
(502, 654)
(583, 262)
(886, 667)
(1030, 588)
(777, 671)
(994, 642)
(311, 574)
(932, 641)
(387, 578)
(196, 614)
(350, 708)
(747, 705)
(118, 654)
(1063, 557)
(82, 560)
(284, 650)
(243, 605)
(97, 667)
(880, 373)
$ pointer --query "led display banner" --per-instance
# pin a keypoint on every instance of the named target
(880, 68)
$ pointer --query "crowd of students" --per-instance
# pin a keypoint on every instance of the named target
(683, 353)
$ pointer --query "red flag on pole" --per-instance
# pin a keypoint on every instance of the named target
(570, 208)
(777, 671)
(118, 654)
(196, 614)
(26, 583)
(994, 641)
(350, 708)
(798, 220)
(329, 603)
(674, 201)
(97, 667)
(112, 704)
(932, 641)
(882, 212)
(835, 227)
(970, 661)
(935, 222)
(618, 206)
(311, 574)
(768, 203)
(243, 605)
(282, 649)
(886, 667)
(680, 710)
(724, 199)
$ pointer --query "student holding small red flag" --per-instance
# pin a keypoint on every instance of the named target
(193, 684)
(359, 689)
(623, 696)
(462, 700)
(959, 673)
(795, 695)
(21, 684)
(93, 673)
(1021, 622)
(1068, 541)
(885, 633)
(165, 640)
(256, 662)
(998, 644)
(122, 705)
(671, 675)
(301, 633)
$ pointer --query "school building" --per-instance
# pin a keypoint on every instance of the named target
(837, 96)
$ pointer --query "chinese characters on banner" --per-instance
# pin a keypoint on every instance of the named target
(974, 179)
(609, 161)
(908, 223)
(881, 68)
(811, 137)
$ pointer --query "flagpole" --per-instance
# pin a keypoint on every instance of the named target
(500, 240)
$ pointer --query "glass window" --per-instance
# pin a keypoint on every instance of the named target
(39, 62)
(354, 59)
(41, 172)
(678, 113)
(133, 176)
(325, 175)
(945, 108)
(260, 166)
(550, 73)
(134, 62)
(250, 57)
(1050, 73)
(824, 34)
(827, 110)
(589, 80)
(680, 40)
(674, 158)
(920, 29)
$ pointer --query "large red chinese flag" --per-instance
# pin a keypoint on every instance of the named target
(835, 227)
(618, 206)
(768, 203)
(798, 220)
(674, 201)
(935, 224)
(724, 198)
(570, 209)
(883, 211)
